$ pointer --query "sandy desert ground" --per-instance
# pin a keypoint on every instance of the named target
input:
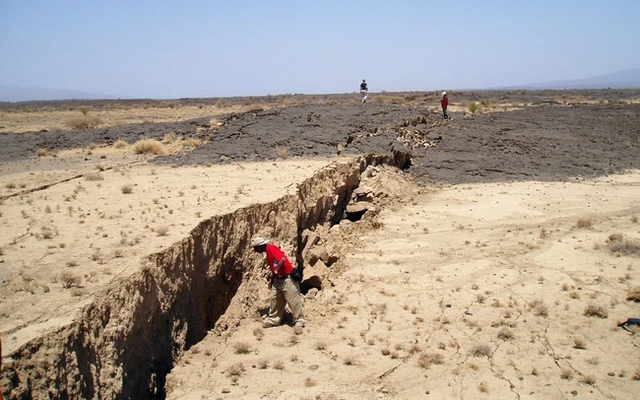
(497, 263)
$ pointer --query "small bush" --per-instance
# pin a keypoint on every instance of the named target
(126, 189)
(84, 122)
(148, 146)
(41, 152)
(481, 350)
(566, 373)
(579, 343)
(93, 176)
(594, 310)
(584, 223)
(618, 243)
(69, 280)
(120, 144)
(473, 107)
(505, 334)
(633, 294)
(242, 348)
(427, 359)
(235, 370)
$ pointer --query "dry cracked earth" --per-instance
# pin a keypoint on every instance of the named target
(462, 258)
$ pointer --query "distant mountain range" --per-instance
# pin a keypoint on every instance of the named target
(628, 79)
(14, 93)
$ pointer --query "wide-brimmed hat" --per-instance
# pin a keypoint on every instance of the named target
(258, 241)
(444, 93)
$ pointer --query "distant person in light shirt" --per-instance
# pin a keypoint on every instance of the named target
(363, 90)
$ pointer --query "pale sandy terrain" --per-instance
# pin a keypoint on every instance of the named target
(466, 291)
(502, 290)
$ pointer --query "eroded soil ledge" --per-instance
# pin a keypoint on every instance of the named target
(124, 343)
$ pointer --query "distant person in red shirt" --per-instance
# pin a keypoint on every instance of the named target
(284, 290)
(444, 103)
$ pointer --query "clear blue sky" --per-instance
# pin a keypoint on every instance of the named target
(198, 48)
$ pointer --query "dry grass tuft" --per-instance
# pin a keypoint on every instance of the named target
(618, 243)
(566, 373)
(69, 280)
(235, 370)
(126, 189)
(588, 380)
(84, 122)
(93, 176)
(505, 334)
(148, 146)
(633, 294)
(595, 310)
(579, 343)
(481, 350)
(242, 348)
(539, 308)
(427, 359)
(584, 223)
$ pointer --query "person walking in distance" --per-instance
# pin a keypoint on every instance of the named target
(284, 290)
(444, 103)
(363, 90)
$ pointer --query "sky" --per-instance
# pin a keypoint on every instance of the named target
(166, 49)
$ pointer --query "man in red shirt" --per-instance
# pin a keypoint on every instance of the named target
(444, 102)
(284, 290)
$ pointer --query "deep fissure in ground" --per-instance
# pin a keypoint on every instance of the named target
(127, 340)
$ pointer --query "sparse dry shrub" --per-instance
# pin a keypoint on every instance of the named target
(148, 146)
(263, 363)
(320, 346)
(427, 359)
(539, 308)
(481, 350)
(633, 294)
(619, 243)
(472, 107)
(588, 380)
(258, 333)
(279, 365)
(308, 382)
(126, 189)
(566, 373)
(41, 152)
(93, 176)
(505, 333)
(120, 144)
(579, 343)
(483, 387)
(236, 370)
(85, 109)
(595, 310)
(636, 375)
(84, 122)
(584, 223)
(242, 348)
(349, 360)
(69, 280)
